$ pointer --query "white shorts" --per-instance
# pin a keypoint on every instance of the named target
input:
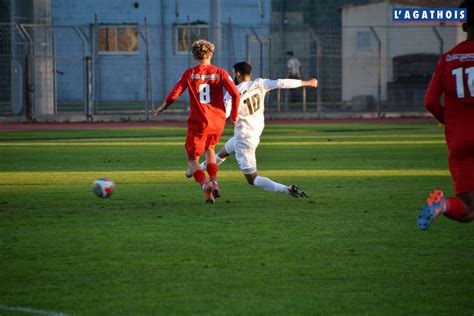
(244, 153)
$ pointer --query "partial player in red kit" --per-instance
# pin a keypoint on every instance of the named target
(454, 77)
(207, 113)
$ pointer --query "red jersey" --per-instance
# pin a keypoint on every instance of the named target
(206, 97)
(454, 76)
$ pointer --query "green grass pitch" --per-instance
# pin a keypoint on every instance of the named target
(156, 248)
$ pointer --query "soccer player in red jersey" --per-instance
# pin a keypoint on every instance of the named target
(207, 113)
(454, 77)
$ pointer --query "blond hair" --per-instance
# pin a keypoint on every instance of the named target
(201, 49)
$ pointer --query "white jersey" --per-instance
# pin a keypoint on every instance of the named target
(251, 108)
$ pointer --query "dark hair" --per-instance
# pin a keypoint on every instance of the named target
(469, 6)
(290, 53)
(243, 68)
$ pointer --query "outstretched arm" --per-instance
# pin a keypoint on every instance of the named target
(162, 108)
(177, 90)
(289, 83)
(310, 83)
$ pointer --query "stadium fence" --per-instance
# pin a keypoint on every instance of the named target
(101, 69)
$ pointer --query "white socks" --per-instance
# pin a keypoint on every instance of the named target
(219, 160)
(269, 185)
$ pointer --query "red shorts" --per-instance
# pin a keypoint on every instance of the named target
(196, 144)
(461, 166)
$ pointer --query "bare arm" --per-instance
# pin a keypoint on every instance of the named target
(162, 108)
(177, 90)
(309, 83)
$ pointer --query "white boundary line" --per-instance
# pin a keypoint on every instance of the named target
(31, 310)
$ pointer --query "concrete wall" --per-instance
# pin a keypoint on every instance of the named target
(360, 64)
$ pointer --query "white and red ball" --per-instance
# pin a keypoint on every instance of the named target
(103, 187)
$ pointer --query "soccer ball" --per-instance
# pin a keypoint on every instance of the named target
(103, 187)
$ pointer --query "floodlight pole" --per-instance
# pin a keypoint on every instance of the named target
(188, 39)
(95, 65)
(379, 85)
(31, 70)
(148, 92)
(87, 71)
(215, 28)
(163, 51)
(319, 55)
(260, 45)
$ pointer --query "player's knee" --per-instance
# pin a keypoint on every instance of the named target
(192, 158)
(223, 153)
(468, 215)
(250, 178)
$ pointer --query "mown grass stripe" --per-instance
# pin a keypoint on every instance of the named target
(278, 143)
(64, 177)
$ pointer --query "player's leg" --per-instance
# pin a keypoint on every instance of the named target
(211, 165)
(270, 185)
(223, 153)
(221, 156)
(264, 182)
(468, 202)
(200, 177)
(227, 150)
(194, 148)
(462, 170)
(459, 208)
(210, 155)
(247, 161)
(196, 170)
(461, 166)
(203, 164)
(435, 205)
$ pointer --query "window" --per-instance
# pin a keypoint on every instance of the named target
(363, 40)
(118, 39)
(187, 34)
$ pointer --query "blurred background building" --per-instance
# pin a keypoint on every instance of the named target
(64, 57)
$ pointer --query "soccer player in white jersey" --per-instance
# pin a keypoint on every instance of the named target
(251, 124)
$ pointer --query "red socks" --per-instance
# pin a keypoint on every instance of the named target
(212, 171)
(454, 208)
(199, 176)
